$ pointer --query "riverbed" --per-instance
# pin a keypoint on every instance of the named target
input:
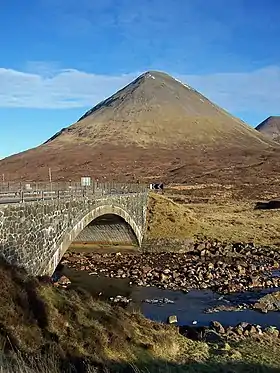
(229, 269)
(189, 307)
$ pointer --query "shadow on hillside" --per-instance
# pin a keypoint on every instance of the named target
(20, 305)
(164, 367)
(72, 365)
(27, 297)
(271, 205)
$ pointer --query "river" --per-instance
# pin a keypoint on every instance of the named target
(188, 307)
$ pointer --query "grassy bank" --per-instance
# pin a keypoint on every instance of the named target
(174, 216)
(40, 320)
(55, 330)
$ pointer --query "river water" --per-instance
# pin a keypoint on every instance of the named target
(188, 307)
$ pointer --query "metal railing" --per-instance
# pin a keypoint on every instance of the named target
(11, 192)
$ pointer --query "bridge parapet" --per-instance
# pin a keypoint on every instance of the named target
(11, 192)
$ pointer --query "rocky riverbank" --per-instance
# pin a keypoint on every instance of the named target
(269, 302)
(217, 333)
(210, 265)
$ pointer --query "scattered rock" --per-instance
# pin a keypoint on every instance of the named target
(210, 265)
(238, 330)
(218, 334)
(159, 301)
(62, 281)
(163, 277)
(243, 325)
(226, 347)
(212, 337)
(228, 308)
(218, 327)
(120, 299)
(252, 330)
(194, 333)
(172, 319)
(270, 302)
(272, 331)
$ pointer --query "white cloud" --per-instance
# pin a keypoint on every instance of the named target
(256, 91)
(64, 89)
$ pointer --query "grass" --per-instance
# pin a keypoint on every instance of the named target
(36, 317)
(240, 358)
(168, 219)
(227, 221)
(46, 329)
(88, 327)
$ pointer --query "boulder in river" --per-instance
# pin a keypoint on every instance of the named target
(270, 302)
(120, 299)
(172, 319)
(62, 281)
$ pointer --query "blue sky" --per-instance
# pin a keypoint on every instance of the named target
(60, 57)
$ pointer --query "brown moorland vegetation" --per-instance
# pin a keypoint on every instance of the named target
(178, 216)
(156, 128)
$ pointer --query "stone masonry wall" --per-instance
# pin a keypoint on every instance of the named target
(118, 232)
(35, 235)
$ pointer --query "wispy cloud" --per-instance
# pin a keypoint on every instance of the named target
(256, 91)
(65, 89)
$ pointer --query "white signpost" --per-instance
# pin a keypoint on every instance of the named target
(85, 181)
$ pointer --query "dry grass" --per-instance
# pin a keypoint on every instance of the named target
(168, 219)
(264, 351)
(234, 221)
(88, 327)
(70, 331)
(36, 317)
(238, 357)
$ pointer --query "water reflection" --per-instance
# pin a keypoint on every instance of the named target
(109, 287)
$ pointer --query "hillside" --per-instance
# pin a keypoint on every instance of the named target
(270, 127)
(156, 128)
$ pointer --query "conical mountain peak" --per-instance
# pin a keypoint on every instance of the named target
(155, 127)
(155, 109)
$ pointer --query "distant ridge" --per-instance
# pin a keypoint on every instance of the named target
(270, 127)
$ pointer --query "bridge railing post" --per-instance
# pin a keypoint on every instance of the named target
(41, 191)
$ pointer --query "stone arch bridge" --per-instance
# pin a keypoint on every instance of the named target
(37, 225)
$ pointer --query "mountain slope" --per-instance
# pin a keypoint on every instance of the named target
(153, 110)
(270, 127)
(156, 128)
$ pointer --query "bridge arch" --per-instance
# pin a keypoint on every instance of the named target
(89, 217)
